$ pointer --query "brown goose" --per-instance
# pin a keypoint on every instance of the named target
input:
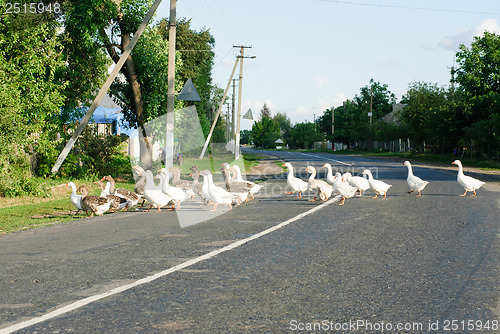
(242, 189)
(197, 186)
(96, 204)
(177, 182)
(117, 203)
(140, 184)
(131, 197)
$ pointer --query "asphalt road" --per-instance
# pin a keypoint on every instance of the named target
(401, 264)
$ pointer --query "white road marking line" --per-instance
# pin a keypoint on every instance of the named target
(148, 279)
(317, 156)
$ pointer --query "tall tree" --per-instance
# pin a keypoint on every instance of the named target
(31, 94)
(107, 26)
(478, 74)
(265, 131)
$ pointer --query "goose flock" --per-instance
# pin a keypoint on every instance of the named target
(171, 190)
(347, 185)
(235, 189)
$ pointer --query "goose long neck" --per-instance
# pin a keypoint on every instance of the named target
(107, 188)
(164, 180)
(410, 171)
(112, 186)
(176, 176)
(290, 171)
(460, 168)
(313, 174)
(210, 180)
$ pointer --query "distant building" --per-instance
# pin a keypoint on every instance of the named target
(394, 115)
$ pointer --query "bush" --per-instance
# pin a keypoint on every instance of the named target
(93, 156)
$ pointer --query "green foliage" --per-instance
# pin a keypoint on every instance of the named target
(478, 75)
(265, 131)
(304, 135)
(30, 97)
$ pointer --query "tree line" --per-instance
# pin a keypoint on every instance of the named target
(52, 65)
(436, 119)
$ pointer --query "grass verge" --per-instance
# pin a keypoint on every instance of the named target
(54, 207)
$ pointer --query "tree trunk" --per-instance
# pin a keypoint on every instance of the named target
(146, 155)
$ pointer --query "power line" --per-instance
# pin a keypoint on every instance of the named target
(408, 7)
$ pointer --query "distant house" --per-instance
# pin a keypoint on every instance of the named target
(395, 114)
(108, 119)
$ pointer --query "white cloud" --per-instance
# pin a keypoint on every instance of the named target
(465, 36)
(389, 63)
(321, 81)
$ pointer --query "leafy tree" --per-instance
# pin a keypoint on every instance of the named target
(30, 97)
(285, 126)
(245, 137)
(266, 131)
(195, 51)
(304, 135)
(478, 74)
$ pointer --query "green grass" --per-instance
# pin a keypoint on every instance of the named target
(54, 206)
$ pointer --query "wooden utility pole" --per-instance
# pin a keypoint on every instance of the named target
(105, 87)
(371, 106)
(219, 110)
(169, 141)
(240, 89)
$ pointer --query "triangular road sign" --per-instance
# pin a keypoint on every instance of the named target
(248, 115)
(189, 92)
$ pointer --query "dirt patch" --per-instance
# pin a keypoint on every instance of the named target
(265, 168)
(55, 214)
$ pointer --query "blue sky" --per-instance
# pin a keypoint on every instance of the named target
(314, 54)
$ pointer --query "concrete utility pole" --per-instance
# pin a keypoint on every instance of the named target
(105, 87)
(169, 141)
(233, 111)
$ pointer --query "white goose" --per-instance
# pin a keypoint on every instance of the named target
(378, 187)
(358, 182)
(345, 190)
(329, 175)
(75, 199)
(217, 194)
(320, 187)
(336, 182)
(175, 193)
(414, 182)
(295, 183)
(153, 193)
(469, 183)
(254, 186)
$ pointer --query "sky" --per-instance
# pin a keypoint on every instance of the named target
(312, 55)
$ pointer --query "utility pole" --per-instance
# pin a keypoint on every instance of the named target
(452, 81)
(371, 106)
(169, 141)
(219, 110)
(333, 121)
(240, 88)
(105, 87)
(233, 115)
